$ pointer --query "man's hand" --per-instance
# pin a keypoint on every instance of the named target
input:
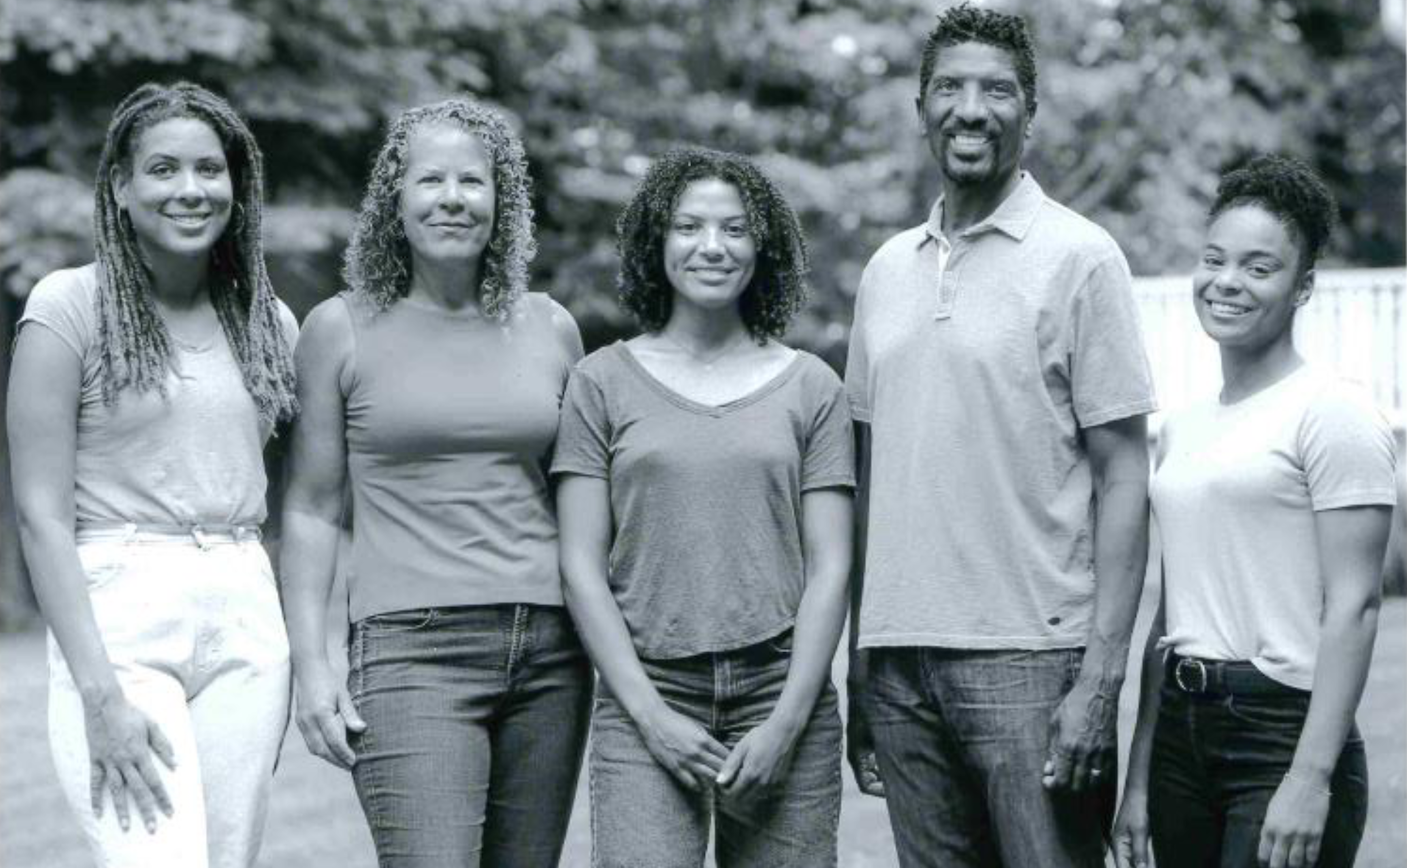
(1083, 738)
(859, 743)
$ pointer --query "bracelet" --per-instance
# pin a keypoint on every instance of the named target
(1291, 776)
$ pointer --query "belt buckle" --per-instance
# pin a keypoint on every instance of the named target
(1192, 665)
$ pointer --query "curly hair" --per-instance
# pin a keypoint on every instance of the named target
(1287, 189)
(967, 23)
(134, 343)
(778, 286)
(377, 263)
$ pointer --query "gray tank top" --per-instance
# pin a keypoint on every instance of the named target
(451, 419)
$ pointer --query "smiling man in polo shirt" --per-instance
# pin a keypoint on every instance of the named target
(999, 385)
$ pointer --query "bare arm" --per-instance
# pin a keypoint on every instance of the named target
(45, 384)
(312, 509)
(762, 756)
(1352, 542)
(859, 744)
(1131, 825)
(678, 744)
(1083, 730)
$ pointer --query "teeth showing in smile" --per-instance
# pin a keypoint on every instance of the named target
(967, 140)
(191, 219)
(1224, 309)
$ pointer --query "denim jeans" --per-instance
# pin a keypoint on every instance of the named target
(476, 721)
(193, 628)
(641, 816)
(961, 738)
(1218, 758)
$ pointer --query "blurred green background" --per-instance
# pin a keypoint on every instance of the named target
(1142, 105)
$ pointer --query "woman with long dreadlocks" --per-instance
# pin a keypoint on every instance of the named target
(432, 384)
(143, 389)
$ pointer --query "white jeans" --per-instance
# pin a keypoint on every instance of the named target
(193, 627)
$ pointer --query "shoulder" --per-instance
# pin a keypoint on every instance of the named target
(814, 370)
(327, 329)
(542, 308)
(1077, 235)
(898, 246)
(604, 364)
(287, 322)
(68, 289)
(1343, 403)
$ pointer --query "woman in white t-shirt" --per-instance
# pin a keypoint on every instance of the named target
(144, 387)
(1273, 503)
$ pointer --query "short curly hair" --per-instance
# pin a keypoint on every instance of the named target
(778, 286)
(377, 264)
(967, 23)
(1287, 189)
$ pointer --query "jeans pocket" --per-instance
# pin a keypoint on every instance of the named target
(780, 643)
(407, 621)
(1285, 713)
(103, 564)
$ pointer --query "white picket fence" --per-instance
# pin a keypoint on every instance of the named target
(1356, 323)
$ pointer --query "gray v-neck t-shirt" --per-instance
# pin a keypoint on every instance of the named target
(706, 501)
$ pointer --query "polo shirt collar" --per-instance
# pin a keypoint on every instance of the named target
(1013, 216)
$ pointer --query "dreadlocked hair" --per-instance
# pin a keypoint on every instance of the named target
(377, 264)
(778, 286)
(134, 344)
(1287, 189)
(968, 23)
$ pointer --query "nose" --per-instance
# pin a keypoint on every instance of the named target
(190, 188)
(972, 103)
(712, 243)
(452, 195)
(1227, 282)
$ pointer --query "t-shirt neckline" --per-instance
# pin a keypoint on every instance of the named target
(686, 403)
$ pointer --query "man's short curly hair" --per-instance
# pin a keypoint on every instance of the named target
(778, 286)
(968, 23)
(377, 263)
(1287, 189)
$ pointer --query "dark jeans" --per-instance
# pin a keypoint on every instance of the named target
(1218, 758)
(961, 738)
(476, 721)
(642, 818)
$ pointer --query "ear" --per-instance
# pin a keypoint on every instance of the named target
(1305, 289)
(119, 181)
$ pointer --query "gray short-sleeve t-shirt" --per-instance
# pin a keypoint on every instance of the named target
(706, 501)
(193, 456)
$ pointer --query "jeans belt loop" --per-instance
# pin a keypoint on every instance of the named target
(201, 540)
(1194, 665)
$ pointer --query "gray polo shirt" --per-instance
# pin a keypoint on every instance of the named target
(976, 376)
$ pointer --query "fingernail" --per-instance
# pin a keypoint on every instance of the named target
(151, 827)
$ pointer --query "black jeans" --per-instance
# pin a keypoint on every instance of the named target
(1218, 757)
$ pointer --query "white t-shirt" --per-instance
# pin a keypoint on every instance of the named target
(1234, 500)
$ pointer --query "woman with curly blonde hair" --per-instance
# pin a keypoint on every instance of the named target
(432, 385)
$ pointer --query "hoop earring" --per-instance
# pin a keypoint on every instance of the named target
(238, 217)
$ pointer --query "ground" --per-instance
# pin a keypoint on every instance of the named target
(314, 819)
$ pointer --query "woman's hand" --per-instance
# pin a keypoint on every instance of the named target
(759, 761)
(121, 740)
(859, 743)
(1294, 824)
(1131, 830)
(326, 714)
(683, 747)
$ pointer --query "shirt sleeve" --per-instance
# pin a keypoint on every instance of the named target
(583, 436)
(1348, 452)
(58, 303)
(857, 363)
(830, 444)
(1109, 374)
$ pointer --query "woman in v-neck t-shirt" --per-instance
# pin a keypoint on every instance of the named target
(705, 473)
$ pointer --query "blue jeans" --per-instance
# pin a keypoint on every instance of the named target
(476, 721)
(1218, 758)
(961, 738)
(641, 816)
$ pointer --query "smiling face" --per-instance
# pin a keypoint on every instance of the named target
(447, 195)
(709, 252)
(176, 190)
(974, 115)
(1249, 281)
